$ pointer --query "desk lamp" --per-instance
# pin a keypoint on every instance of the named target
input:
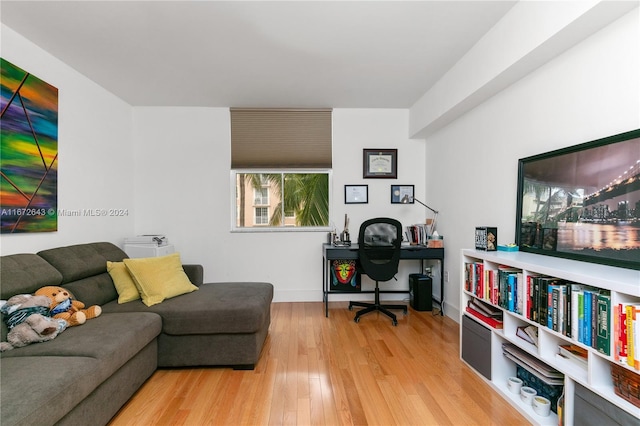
(408, 199)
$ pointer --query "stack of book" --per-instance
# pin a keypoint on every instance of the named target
(488, 314)
(574, 354)
(529, 362)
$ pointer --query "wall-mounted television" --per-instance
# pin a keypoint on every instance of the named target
(583, 202)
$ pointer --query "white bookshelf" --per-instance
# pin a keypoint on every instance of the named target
(624, 285)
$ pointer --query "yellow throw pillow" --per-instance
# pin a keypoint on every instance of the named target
(159, 278)
(126, 288)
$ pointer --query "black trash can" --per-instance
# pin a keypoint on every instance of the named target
(420, 292)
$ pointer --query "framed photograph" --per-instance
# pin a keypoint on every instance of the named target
(356, 194)
(401, 194)
(380, 163)
(583, 202)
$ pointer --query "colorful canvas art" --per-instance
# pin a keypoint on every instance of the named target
(345, 275)
(28, 152)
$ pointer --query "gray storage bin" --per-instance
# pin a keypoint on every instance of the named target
(591, 409)
(476, 346)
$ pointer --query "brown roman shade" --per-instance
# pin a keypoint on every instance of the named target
(280, 138)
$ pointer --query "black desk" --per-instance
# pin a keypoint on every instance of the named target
(331, 252)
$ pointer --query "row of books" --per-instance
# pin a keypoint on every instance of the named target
(494, 286)
(626, 331)
(417, 234)
(577, 311)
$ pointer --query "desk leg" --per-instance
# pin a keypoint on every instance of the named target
(325, 286)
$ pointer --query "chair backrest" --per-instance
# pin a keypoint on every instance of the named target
(379, 243)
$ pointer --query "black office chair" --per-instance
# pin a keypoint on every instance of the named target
(379, 242)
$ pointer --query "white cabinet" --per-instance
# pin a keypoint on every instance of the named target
(147, 250)
(623, 286)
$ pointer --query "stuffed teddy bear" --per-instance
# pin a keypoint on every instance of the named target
(28, 320)
(64, 306)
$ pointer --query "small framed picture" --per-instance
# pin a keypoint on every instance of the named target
(356, 194)
(401, 194)
(380, 163)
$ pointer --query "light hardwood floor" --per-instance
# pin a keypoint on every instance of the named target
(331, 371)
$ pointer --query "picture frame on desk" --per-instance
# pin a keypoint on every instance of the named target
(380, 163)
(356, 194)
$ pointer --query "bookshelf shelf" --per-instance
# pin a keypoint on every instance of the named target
(616, 285)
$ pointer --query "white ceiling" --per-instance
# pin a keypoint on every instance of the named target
(345, 54)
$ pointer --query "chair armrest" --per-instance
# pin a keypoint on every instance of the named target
(195, 274)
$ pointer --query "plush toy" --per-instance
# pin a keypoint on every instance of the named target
(63, 306)
(28, 320)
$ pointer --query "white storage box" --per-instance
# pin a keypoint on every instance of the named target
(147, 250)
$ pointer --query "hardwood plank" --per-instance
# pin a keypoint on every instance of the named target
(331, 371)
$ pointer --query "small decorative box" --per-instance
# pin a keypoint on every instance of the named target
(508, 247)
(486, 238)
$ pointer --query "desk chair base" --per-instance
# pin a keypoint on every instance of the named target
(376, 306)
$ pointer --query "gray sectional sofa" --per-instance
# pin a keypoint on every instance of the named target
(88, 372)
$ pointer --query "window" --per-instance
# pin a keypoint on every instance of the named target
(261, 196)
(262, 216)
(281, 168)
(297, 199)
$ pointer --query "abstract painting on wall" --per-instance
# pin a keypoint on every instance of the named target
(28, 152)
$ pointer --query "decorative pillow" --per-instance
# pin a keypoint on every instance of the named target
(159, 278)
(126, 288)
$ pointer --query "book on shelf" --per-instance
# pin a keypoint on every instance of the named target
(507, 287)
(492, 322)
(485, 308)
(532, 331)
(603, 323)
(626, 334)
(574, 354)
(520, 293)
(528, 334)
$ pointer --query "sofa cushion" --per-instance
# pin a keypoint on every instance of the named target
(112, 339)
(82, 260)
(25, 273)
(126, 288)
(215, 308)
(96, 290)
(159, 278)
(26, 400)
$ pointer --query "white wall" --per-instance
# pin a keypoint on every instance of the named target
(183, 189)
(589, 92)
(95, 163)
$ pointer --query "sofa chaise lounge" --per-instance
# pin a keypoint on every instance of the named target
(88, 372)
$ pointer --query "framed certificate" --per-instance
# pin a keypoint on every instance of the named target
(402, 194)
(380, 163)
(356, 194)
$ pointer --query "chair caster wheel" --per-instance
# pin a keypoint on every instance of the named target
(356, 319)
(394, 322)
(350, 308)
